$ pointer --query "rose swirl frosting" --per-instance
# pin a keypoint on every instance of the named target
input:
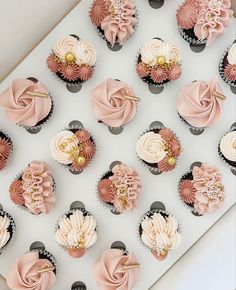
(4, 232)
(228, 146)
(116, 271)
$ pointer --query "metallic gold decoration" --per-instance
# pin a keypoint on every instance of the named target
(132, 98)
(161, 60)
(45, 269)
(131, 266)
(219, 95)
(69, 57)
(37, 94)
(171, 160)
(81, 160)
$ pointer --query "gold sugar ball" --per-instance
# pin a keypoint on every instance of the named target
(161, 60)
(81, 160)
(69, 57)
(171, 160)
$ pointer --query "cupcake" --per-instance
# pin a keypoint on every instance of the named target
(200, 105)
(201, 22)
(158, 63)
(227, 149)
(227, 67)
(159, 231)
(115, 20)
(116, 268)
(201, 189)
(7, 229)
(73, 147)
(114, 104)
(73, 61)
(27, 103)
(156, 3)
(76, 230)
(35, 270)
(78, 285)
(158, 148)
(6, 148)
(119, 188)
(34, 189)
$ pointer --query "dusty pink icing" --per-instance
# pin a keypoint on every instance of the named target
(209, 194)
(109, 271)
(109, 104)
(198, 105)
(121, 27)
(213, 19)
(22, 109)
(23, 274)
(38, 189)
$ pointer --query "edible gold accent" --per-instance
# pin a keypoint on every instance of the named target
(171, 160)
(81, 160)
(219, 95)
(45, 269)
(132, 98)
(131, 266)
(70, 57)
(37, 94)
(161, 60)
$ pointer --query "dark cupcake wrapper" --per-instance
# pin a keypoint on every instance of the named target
(43, 254)
(67, 214)
(192, 41)
(5, 136)
(11, 228)
(222, 67)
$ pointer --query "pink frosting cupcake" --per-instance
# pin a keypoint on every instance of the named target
(116, 269)
(6, 148)
(119, 188)
(201, 22)
(201, 189)
(35, 270)
(114, 103)
(200, 104)
(34, 189)
(27, 103)
(115, 20)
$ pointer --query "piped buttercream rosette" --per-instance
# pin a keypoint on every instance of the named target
(202, 190)
(119, 188)
(7, 229)
(76, 232)
(158, 62)
(34, 189)
(227, 149)
(159, 231)
(74, 148)
(203, 21)
(115, 19)
(159, 149)
(72, 59)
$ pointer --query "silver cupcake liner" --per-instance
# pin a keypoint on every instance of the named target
(69, 212)
(25, 208)
(221, 71)
(12, 226)
(5, 136)
(155, 170)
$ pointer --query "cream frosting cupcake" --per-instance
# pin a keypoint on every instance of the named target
(158, 63)
(227, 149)
(201, 189)
(202, 22)
(76, 232)
(158, 149)
(116, 269)
(159, 231)
(115, 20)
(72, 60)
(7, 229)
(114, 104)
(119, 188)
(34, 270)
(27, 103)
(34, 189)
(73, 147)
(227, 67)
(200, 105)
(6, 148)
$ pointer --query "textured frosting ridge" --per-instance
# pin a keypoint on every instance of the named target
(110, 273)
(76, 231)
(228, 146)
(24, 109)
(110, 105)
(231, 57)
(160, 234)
(63, 45)
(24, 274)
(199, 105)
(4, 232)
(5, 151)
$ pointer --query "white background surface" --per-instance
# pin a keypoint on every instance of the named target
(78, 186)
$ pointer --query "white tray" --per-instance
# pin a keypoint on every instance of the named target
(153, 23)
